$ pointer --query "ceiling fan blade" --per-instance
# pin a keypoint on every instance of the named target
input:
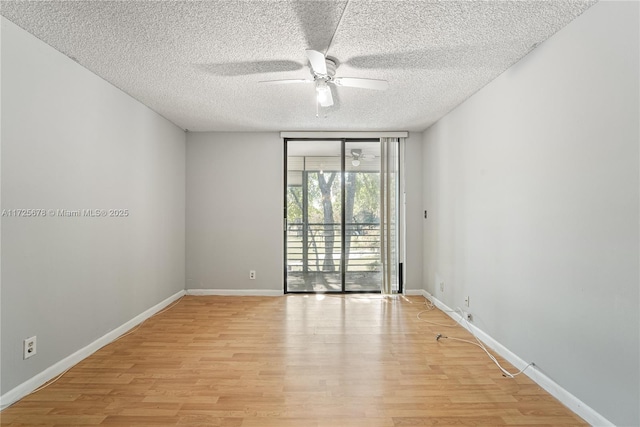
(317, 61)
(285, 81)
(361, 83)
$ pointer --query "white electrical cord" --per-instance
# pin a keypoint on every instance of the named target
(430, 307)
(453, 325)
(482, 346)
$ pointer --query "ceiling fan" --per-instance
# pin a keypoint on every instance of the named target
(323, 71)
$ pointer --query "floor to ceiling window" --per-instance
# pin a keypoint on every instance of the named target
(334, 203)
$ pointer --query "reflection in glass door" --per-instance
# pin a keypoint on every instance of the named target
(363, 267)
(332, 210)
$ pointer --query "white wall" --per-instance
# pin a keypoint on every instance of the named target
(533, 189)
(72, 141)
(234, 211)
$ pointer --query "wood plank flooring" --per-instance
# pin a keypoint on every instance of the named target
(290, 361)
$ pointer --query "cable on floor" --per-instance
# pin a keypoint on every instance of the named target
(430, 307)
(435, 323)
(480, 344)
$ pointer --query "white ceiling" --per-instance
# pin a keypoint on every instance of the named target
(198, 63)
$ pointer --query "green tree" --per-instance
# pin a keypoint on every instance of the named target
(362, 198)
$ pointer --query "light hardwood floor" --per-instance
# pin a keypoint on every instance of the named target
(296, 360)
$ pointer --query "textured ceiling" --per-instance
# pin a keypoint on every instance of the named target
(198, 63)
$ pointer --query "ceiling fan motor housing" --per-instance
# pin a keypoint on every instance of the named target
(332, 64)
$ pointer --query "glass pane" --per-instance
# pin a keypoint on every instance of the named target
(314, 203)
(363, 269)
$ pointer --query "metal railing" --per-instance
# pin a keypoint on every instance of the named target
(317, 247)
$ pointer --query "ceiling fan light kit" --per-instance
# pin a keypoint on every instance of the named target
(355, 154)
(325, 99)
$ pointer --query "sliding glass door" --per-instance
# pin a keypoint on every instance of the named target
(333, 216)
(314, 216)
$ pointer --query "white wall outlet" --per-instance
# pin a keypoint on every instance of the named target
(29, 347)
(466, 301)
(252, 274)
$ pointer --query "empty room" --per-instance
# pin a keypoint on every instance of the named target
(320, 213)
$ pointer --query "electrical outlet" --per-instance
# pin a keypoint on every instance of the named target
(466, 301)
(252, 274)
(441, 286)
(29, 347)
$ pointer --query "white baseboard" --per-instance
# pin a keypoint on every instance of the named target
(411, 292)
(236, 292)
(52, 371)
(565, 397)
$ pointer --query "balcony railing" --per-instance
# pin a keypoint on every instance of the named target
(317, 247)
